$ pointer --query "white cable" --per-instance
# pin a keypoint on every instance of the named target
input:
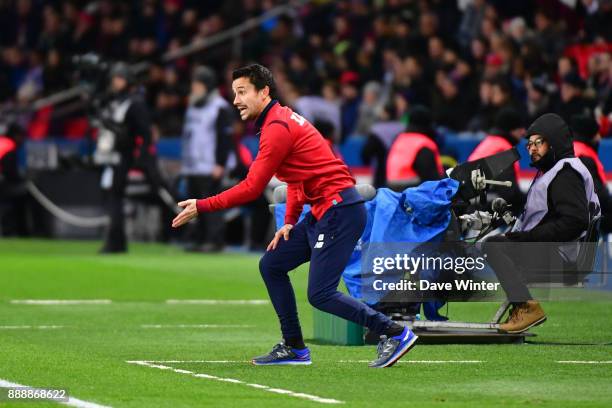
(84, 222)
(88, 222)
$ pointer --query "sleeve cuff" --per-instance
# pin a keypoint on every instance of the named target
(290, 220)
(202, 206)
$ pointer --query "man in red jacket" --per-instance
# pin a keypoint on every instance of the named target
(293, 150)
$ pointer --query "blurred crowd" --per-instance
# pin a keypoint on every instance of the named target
(368, 69)
(350, 63)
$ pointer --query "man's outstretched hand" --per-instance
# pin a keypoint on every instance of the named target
(283, 232)
(190, 211)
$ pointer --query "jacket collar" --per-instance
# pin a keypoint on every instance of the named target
(262, 116)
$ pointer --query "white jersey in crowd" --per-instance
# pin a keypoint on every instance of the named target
(200, 136)
(314, 107)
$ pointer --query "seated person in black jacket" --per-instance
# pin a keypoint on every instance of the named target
(557, 210)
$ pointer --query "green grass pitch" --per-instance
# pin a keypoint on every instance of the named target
(88, 354)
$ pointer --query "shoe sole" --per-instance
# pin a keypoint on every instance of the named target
(399, 355)
(534, 324)
(284, 363)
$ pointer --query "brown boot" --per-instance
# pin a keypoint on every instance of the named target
(523, 316)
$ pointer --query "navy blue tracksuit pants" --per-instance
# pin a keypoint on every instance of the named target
(328, 245)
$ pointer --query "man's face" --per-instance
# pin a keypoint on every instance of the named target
(118, 84)
(349, 91)
(370, 97)
(198, 90)
(249, 101)
(537, 147)
(498, 96)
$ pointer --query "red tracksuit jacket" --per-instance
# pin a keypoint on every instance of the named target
(295, 151)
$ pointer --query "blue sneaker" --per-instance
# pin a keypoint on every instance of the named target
(392, 349)
(282, 354)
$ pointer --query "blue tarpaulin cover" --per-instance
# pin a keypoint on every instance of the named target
(417, 214)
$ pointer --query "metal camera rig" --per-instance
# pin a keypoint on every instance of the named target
(475, 178)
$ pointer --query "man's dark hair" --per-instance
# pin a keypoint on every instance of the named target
(259, 76)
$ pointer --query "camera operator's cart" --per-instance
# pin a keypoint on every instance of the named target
(474, 178)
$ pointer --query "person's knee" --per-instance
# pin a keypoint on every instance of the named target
(265, 265)
(269, 267)
(317, 297)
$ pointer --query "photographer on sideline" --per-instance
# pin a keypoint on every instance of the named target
(124, 141)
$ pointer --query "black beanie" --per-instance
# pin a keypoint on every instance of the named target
(507, 119)
(584, 126)
(420, 116)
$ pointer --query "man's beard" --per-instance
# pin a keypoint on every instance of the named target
(545, 162)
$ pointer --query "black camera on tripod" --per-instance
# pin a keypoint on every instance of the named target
(106, 112)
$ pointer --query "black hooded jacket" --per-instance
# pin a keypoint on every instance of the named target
(568, 211)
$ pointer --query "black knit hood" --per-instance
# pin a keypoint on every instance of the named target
(421, 121)
(558, 135)
(507, 120)
(585, 128)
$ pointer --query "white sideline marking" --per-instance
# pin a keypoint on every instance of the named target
(584, 362)
(234, 381)
(422, 361)
(217, 302)
(168, 301)
(61, 301)
(73, 402)
(30, 327)
(188, 361)
(340, 361)
(194, 326)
